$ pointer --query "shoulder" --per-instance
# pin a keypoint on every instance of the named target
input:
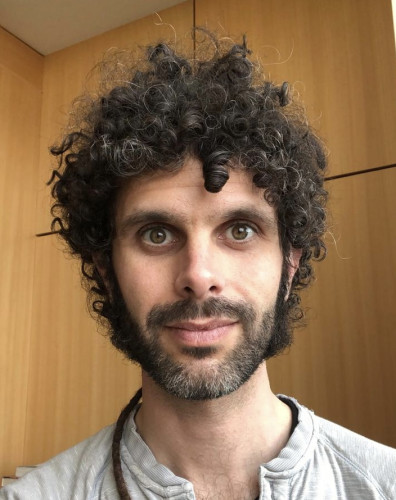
(365, 459)
(74, 473)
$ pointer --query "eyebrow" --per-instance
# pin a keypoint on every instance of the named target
(152, 216)
(250, 213)
(146, 217)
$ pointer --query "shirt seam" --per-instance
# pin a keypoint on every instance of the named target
(99, 477)
(370, 479)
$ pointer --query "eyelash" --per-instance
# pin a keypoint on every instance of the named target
(146, 231)
(245, 225)
(174, 237)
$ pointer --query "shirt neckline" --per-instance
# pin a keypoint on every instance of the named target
(144, 468)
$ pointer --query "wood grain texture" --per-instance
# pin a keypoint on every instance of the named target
(20, 59)
(338, 55)
(20, 107)
(77, 382)
(343, 364)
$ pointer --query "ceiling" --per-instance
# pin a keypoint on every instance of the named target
(51, 25)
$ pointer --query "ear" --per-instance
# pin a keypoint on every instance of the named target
(101, 268)
(293, 264)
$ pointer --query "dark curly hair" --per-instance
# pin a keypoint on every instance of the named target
(218, 110)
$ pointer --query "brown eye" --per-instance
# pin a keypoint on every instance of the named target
(157, 236)
(240, 232)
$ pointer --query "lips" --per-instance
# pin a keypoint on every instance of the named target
(201, 333)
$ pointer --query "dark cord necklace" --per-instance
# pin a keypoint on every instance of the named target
(118, 475)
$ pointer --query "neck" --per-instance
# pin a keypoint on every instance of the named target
(227, 437)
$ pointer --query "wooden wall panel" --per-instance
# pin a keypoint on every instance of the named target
(77, 382)
(339, 55)
(343, 364)
(20, 106)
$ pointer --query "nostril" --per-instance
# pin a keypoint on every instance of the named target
(198, 283)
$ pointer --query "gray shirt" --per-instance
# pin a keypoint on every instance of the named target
(321, 461)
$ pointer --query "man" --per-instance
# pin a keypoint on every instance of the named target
(193, 193)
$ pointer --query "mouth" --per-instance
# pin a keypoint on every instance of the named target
(201, 333)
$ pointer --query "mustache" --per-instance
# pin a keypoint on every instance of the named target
(186, 310)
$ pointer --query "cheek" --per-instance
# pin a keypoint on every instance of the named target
(141, 283)
(258, 279)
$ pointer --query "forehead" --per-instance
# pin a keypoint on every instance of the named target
(182, 192)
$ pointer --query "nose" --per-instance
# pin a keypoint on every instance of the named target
(199, 274)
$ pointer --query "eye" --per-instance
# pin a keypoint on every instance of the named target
(158, 235)
(240, 231)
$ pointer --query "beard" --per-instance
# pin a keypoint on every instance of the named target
(263, 336)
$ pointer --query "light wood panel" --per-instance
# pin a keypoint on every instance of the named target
(339, 55)
(20, 59)
(77, 382)
(20, 106)
(343, 364)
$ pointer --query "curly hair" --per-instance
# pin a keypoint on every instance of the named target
(220, 111)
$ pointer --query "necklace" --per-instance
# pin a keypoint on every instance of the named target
(115, 451)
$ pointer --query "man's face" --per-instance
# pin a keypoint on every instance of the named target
(198, 281)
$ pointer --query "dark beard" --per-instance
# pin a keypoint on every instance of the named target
(262, 338)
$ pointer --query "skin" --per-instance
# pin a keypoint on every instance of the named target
(174, 240)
